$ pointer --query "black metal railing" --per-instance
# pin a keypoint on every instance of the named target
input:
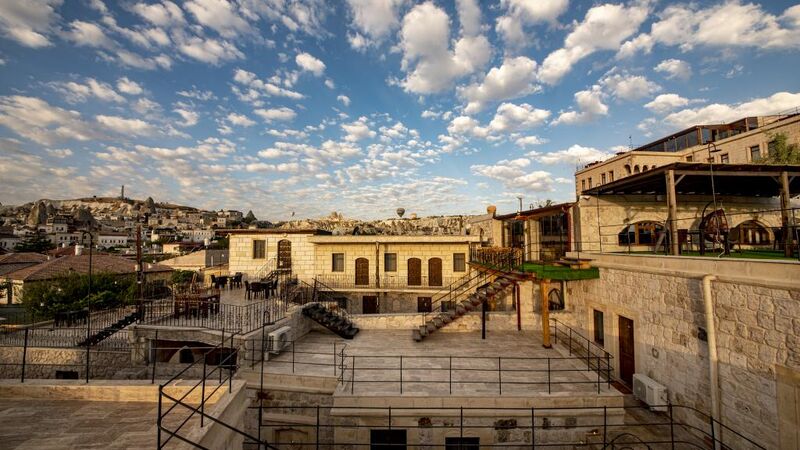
(504, 259)
(578, 344)
(454, 293)
(595, 427)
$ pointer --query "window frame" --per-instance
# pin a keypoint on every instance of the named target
(462, 266)
(757, 153)
(259, 248)
(386, 267)
(601, 332)
(334, 257)
(724, 158)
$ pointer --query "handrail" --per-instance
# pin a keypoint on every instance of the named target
(463, 287)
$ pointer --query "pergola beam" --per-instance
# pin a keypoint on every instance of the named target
(672, 219)
(785, 195)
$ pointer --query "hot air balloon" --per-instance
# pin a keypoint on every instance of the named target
(400, 212)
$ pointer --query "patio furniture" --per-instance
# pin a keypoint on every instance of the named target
(236, 280)
(247, 290)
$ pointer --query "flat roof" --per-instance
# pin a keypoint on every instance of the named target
(313, 231)
(538, 212)
(744, 180)
(394, 239)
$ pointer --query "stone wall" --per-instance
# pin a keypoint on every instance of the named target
(44, 362)
(495, 321)
(757, 321)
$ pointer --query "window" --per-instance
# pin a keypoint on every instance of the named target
(459, 262)
(387, 439)
(259, 249)
(724, 158)
(590, 182)
(771, 147)
(555, 301)
(750, 232)
(755, 153)
(602, 178)
(599, 331)
(423, 304)
(390, 262)
(690, 158)
(583, 184)
(611, 176)
(337, 262)
(640, 233)
(462, 443)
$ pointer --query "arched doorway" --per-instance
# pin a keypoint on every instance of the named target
(414, 272)
(285, 254)
(362, 272)
(750, 232)
(640, 233)
(435, 272)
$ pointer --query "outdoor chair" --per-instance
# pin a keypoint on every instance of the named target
(236, 281)
(247, 290)
(213, 280)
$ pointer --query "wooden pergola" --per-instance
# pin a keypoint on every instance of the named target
(738, 180)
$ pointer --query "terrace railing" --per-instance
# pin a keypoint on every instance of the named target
(349, 281)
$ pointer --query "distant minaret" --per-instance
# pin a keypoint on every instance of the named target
(122, 194)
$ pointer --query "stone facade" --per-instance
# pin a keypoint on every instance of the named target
(757, 322)
(43, 363)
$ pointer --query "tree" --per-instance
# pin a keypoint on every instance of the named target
(249, 218)
(71, 292)
(36, 243)
(781, 152)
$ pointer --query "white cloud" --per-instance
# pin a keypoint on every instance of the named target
(516, 77)
(641, 43)
(121, 125)
(197, 94)
(161, 14)
(240, 120)
(675, 68)
(257, 88)
(189, 117)
(373, 20)
(717, 112)
(666, 102)
(521, 13)
(282, 167)
(429, 63)
(590, 107)
(129, 87)
(728, 24)
(603, 28)
(219, 15)
(575, 154)
(526, 141)
(29, 22)
(628, 87)
(309, 63)
(88, 34)
(510, 118)
(282, 114)
(344, 99)
(77, 93)
(59, 152)
(209, 50)
(357, 130)
(514, 175)
(429, 114)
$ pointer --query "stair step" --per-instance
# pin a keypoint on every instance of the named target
(416, 335)
(423, 330)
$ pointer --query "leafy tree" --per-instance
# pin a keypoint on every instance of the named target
(182, 276)
(37, 243)
(220, 244)
(71, 292)
(249, 218)
(781, 152)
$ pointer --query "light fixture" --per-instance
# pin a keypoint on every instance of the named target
(519, 215)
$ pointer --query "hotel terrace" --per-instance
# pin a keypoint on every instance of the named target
(661, 309)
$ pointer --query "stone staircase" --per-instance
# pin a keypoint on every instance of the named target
(498, 287)
(111, 329)
(331, 320)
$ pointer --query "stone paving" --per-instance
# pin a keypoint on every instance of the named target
(461, 361)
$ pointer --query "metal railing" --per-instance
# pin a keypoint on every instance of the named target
(534, 427)
(504, 259)
(349, 281)
(454, 293)
(579, 345)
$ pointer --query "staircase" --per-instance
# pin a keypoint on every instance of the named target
(111, 329)
(471, 303)
(331, 320)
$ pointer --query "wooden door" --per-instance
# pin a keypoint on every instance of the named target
(627, 361)
(369, 304)
(423, 304)
(414, 272)
(285, 254)
(387, 439)
(435, 272)
(362, 272)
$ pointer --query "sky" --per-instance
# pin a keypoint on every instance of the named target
(304, 107)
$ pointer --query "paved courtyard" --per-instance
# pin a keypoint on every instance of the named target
(461, 363)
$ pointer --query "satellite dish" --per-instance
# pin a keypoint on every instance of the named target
(400, 212)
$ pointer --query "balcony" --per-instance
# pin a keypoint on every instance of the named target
(385, 282)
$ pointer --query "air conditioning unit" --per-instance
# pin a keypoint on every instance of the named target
(650, 391)
(278, 339)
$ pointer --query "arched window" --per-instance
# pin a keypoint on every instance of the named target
(627, 169)
(362, 272)
(636, 169)
(750, 232)
(641, 233)
(285, 254)
(644, 169)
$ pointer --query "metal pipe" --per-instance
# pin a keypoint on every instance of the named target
(713, 359)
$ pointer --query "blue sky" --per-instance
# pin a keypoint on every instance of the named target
(358, 106)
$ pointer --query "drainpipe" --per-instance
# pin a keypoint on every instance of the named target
(713, 359)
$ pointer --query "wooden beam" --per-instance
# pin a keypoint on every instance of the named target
(680, 178)
(544, 287)
(672, 219)
(733, 173)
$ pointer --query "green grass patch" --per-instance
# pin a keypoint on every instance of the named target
(553, 272)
